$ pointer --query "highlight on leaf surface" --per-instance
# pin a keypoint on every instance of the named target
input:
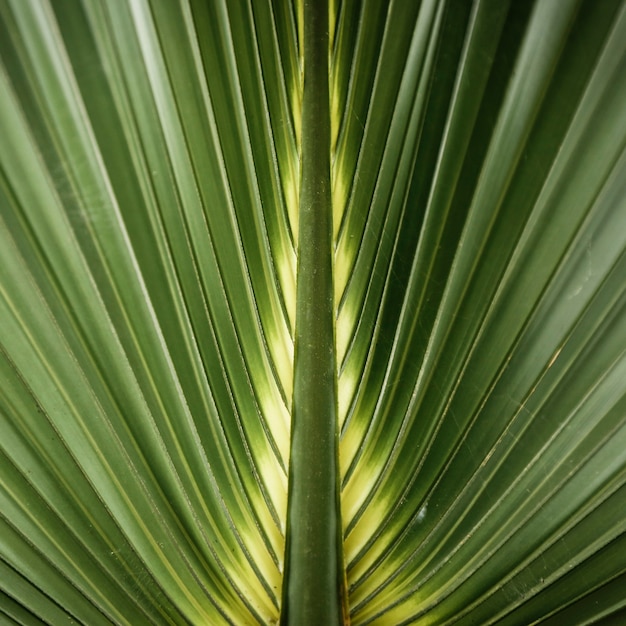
(463, 253)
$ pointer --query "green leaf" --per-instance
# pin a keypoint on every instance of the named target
(313, 583)
(312, 314)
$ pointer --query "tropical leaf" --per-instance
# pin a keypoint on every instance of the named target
(312, 314)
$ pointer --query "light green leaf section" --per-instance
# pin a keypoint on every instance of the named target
(135, 242)
(149, 215)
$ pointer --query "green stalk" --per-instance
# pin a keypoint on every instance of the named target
(314, 587)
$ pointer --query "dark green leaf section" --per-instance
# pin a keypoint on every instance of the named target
(313, 588)
(479, 300)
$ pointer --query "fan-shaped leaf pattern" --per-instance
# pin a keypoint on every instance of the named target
(150, 169)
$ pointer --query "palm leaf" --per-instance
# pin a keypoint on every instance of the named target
(312, 314)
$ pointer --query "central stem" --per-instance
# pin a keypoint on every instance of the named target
(313, 586)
